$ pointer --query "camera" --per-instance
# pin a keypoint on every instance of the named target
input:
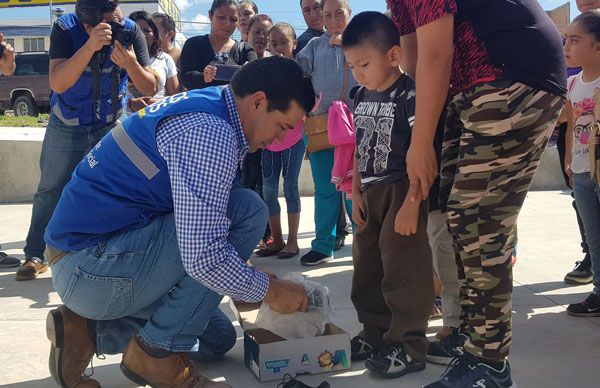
(121, 34)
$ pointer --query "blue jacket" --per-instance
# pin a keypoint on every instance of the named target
(123, 183)
(76, 105)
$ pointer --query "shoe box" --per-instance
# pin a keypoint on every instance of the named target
(270, 357)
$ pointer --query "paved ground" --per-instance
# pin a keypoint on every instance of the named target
(550, 349)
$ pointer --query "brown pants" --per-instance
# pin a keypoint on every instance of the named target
(392, 285)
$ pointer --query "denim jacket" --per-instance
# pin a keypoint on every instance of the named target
(325, 65)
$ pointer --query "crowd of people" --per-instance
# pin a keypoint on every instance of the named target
(160, 173)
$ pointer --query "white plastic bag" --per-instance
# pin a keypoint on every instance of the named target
(299, 324)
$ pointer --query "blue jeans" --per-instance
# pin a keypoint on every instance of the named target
(63, 148)
(135, 283)
(587, 197)
(327, 202)
(287, 163)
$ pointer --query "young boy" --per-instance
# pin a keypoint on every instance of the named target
(392, 285)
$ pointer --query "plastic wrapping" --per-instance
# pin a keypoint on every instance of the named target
(301, 324)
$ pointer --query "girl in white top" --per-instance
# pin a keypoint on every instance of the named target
(582, 49)
(162, 65)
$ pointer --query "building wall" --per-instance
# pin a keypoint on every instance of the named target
(561, 16)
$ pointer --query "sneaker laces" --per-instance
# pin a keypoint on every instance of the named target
(458, 368)
(184, 370)
(284, 381)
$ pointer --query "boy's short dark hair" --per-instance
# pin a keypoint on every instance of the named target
(285, 83)
(373, 28)
(91, 11)
(166, 22)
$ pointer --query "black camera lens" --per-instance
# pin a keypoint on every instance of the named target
(121, 34)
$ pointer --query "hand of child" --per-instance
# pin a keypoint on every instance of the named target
(358, 209)
(407, 218)
(569, 173)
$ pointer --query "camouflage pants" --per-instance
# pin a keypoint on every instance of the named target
(493, 141)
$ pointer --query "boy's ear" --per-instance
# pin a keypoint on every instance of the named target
(395, 55)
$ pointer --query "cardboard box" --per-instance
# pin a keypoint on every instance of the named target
(270, 357)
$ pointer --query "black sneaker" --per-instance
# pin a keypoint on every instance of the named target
(588, 308)
(290, 382)
(467, 372)
(582, 273)
(393, 362)
(314, 258)
(360, 348)
(339, 242)
(444, 351)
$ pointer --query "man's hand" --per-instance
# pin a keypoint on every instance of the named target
(100, 36)
(358, 208)
(7, 61)
(422, 169)
(123, 57)
(286, 297)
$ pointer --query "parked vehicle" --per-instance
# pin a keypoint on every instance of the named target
(27, 91)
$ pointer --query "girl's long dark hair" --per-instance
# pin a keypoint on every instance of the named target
(154, 48)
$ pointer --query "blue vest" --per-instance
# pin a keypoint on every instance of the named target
(123, 183)
(76, 105)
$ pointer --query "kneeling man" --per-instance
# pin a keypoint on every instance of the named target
(150, 232)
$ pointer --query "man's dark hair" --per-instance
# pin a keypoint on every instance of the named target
(373, 28)
(166, 22)
(90, 11)
(285, 83)
(590, 22)
(220, 3)
(154, 48)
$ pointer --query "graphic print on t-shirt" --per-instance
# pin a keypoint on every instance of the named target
(581, 95)
(383, 122)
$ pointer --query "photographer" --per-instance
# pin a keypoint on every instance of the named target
(7, 58)
(93, 52)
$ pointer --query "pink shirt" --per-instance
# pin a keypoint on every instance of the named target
(291, 138)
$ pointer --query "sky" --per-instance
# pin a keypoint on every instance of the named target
(196, 11)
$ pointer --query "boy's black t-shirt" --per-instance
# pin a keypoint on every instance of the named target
(383, 123)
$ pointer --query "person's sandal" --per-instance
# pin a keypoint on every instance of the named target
(287, 255)
(268, 251)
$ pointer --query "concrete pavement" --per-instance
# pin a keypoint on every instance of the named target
(550, 349)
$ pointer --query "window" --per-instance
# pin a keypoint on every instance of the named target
(10, 41)
(32, 64)
(33, 44)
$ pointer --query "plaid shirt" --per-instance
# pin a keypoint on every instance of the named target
(204, 154)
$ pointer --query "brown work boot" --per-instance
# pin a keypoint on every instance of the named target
(173, 371)
(72, 348)
(31, 269)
